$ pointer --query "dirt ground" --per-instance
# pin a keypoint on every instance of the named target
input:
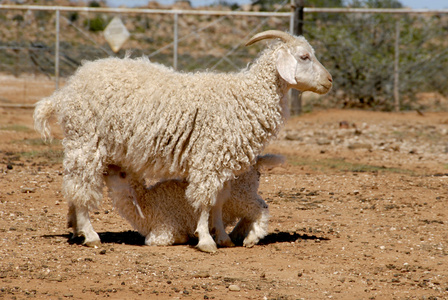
(358, 211)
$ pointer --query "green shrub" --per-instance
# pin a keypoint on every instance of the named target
(96, 24)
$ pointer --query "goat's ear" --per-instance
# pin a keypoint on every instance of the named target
(135, 202)
(286, 66)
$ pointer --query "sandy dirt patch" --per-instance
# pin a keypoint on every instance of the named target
(359, 211)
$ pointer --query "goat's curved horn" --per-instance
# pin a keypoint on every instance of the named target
(270, 34)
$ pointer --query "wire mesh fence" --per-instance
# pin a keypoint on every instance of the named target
(204, 41)
(358, 48)
(374, 56)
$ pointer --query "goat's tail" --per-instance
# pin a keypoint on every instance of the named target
(45, 108)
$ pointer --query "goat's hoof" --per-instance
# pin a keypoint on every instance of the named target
(226, 243)
(249, 243)
(209, 248)
(92, 244)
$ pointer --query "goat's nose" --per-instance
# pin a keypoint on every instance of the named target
(330, 78)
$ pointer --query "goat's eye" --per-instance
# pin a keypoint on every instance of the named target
(305, 57)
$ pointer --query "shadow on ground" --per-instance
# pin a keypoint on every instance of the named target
(288, 237)
(126, 237)
(134, 238)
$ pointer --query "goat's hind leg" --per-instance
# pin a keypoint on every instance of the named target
(251, 229)
(79, 220)
(241, 230)
(83, 188)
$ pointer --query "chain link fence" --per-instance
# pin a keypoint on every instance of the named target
(358, 47)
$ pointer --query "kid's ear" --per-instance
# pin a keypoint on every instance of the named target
(286, 66)
(135, 202)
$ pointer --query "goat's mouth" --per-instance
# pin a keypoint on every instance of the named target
(323, 88)
(327, 86)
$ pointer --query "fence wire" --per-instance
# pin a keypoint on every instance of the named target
(356, 46)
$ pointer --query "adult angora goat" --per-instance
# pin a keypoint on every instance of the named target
(205, 127)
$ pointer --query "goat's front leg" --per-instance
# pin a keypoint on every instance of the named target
(221, 236)
(206, 242)
(202, 192)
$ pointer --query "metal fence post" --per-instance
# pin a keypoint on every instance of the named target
(176, 40)
(296, 96)
(397, 67)
(291, 18)
(56, 58)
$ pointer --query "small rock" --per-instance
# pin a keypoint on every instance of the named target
(234, 288)
(323, 141)
(201, 274)
(103, 251)
(355, 146)
(9, 167)
(27, 190)
(344, 124)
(293, 136)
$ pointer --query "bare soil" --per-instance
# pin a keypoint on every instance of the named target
(359, 211)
